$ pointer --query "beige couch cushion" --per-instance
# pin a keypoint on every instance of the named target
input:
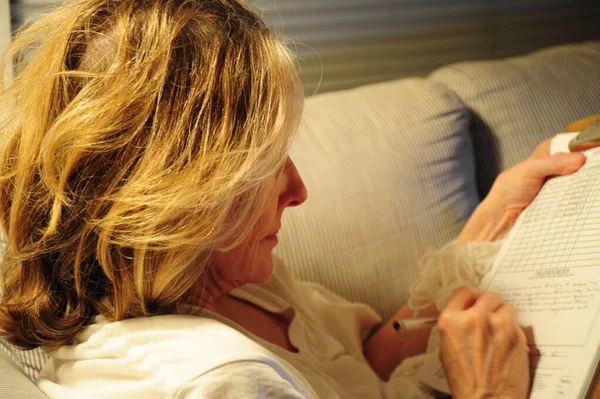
(14, 384)
(390, 172)
(518, 102)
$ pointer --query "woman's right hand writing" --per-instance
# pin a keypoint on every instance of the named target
(483, 350)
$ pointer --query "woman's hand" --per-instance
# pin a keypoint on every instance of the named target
(514, 189)
(483, 350)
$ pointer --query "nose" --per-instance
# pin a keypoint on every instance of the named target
(295, 192)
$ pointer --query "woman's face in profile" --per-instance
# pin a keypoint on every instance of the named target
(252, 260)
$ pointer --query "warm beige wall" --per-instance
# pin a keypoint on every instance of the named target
(4, 25)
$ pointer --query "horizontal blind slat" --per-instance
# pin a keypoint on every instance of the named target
(353, 42)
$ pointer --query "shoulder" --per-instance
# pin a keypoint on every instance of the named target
(245, 379)
(184, 356)
(171, 349)
(173, 338)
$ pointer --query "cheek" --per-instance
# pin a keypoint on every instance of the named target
(239, 263)
(252, 261)
(256, 260)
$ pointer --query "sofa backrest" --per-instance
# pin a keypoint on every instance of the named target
(517, 102)
(14, 383)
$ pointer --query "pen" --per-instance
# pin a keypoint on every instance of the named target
(409, 324)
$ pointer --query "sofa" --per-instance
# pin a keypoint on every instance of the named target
(394, 169)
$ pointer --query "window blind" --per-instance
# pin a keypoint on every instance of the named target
(347, 43)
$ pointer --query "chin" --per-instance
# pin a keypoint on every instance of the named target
(263, 270)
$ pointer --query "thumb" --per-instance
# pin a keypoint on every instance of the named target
(562, 163)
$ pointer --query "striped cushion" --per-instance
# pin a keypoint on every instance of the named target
(389, 172)
(518, 102)
(14, 384)
(31, 362)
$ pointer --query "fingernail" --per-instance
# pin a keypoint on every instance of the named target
(575, 160)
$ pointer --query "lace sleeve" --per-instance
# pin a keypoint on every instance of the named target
(453, 265)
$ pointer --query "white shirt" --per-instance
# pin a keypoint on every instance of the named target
(208, 356)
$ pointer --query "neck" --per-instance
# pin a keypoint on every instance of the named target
(212, 293)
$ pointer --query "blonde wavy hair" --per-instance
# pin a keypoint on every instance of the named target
(138, 136)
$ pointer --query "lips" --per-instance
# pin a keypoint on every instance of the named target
(273, 235)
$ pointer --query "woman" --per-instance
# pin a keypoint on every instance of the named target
(144, 176)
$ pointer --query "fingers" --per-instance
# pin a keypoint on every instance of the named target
(507, 338)
(507, 332)
(482, 347)
(542, 150)
(462, 298)
(488, 302)
(474, 309)
(559, 164)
